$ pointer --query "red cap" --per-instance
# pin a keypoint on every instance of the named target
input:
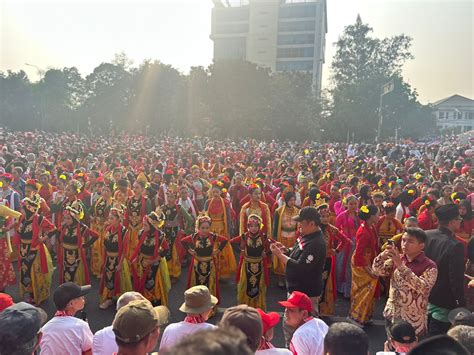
(269, 320)
(5, 301)
(298, 300)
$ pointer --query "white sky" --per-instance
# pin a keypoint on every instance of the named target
(86, 33)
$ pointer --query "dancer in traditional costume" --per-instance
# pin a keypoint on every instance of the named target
(149, 267)
(388, 226)
(335, 242)
(348, 222)
(7, 275)
(116, 278)
(364, 281)
(177, 222)
(74, 238)
(205, 248)
(199, 186)
(35, 265)
(253, 276)
(255, 206)
(427, 219)
(99, 218)
(138, 206)
(219, 210)
(285, 231)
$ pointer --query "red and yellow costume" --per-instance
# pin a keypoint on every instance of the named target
(100, 213)
(35, 265)
(218, 209)
(253, 277)
(7, 275)
(387, 227)
(285, 232)
(149, 267)
(258, 208)
(333, 237)
(116, 278)
(203, 269)
(71, 249)
(137, 209)
(364, 286)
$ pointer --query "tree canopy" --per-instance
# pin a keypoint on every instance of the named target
(361, 66)
(228, 99)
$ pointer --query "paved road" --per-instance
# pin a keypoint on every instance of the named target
(101, 318)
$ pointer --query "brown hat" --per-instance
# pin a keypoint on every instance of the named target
(198, 300)
(137, 319)
(248, 320)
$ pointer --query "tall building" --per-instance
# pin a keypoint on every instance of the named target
(454, 112)
(281, 35)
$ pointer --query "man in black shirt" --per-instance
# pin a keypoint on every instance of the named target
(304, 263)
(448, 253)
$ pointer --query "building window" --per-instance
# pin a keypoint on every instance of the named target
(292, 11)
(230, 28)
(295, 52)
(471, 115)
(441, 115)
(296, 26)
(232, 14)
(467, 128)
(297, 65)
(296, 39)
(230, 48)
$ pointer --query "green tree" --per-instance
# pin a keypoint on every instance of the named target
(238, 98)
(198, 101)
(294, 109)
(108, 96)
(158, 98)
(361, 66)
(18, 109)
(60, 94)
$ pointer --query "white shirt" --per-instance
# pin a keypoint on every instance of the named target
(176, 331)
(401, 211)
(308, 339)
(66, 335)
(104, 342)
(274, 351)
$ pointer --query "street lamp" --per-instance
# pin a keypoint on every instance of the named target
(385, 89)
(40, 71)
(41, 76)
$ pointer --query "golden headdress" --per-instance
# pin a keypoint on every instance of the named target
(76, 211)
(156, 218)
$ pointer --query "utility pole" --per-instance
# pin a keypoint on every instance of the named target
(385, 89)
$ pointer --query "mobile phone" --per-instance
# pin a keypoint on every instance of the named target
(390, 242)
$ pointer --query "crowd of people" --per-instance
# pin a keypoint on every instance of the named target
(358, 221)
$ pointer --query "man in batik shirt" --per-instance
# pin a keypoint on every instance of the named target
(412, 278)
